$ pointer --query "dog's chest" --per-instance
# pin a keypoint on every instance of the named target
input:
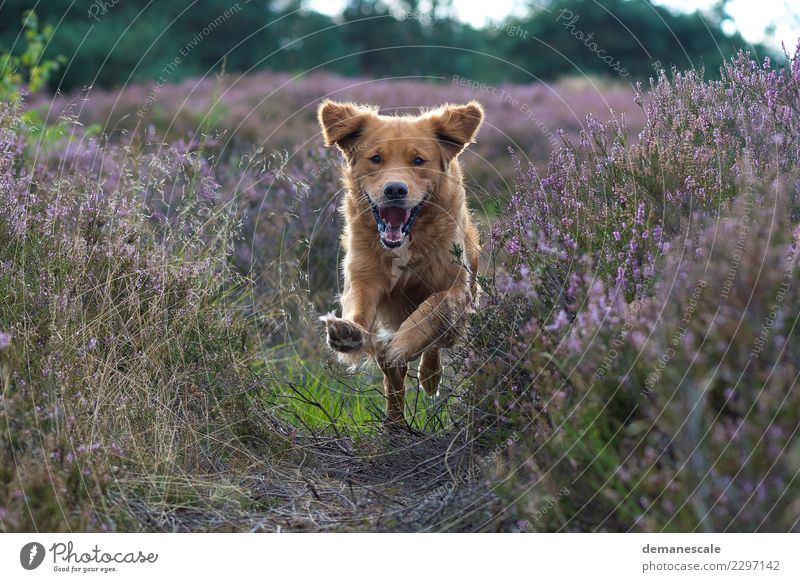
(413, 268)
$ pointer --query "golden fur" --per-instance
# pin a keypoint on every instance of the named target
(400, 303)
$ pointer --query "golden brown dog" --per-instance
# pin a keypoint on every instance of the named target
(411, 248)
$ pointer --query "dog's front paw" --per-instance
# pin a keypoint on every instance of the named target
(343, 336)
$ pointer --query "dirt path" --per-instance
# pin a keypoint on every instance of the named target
(389, 481)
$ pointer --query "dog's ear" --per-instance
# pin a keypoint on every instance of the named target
(456, 126)
(342, 124)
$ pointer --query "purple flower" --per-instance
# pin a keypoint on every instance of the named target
(560, 321)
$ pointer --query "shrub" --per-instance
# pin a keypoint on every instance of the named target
(126, 363)
(638, 329)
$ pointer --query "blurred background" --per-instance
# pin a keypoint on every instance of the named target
(109, 43)
(244, 72)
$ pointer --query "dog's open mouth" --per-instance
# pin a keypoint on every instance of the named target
(394, 223)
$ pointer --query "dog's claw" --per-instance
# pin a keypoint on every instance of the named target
(344, 336)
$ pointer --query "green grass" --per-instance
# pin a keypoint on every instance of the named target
(322, 398)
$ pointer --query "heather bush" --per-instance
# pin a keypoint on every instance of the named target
(290, 221)
(276, 111)
(126, 364)
(637, 327)
(688, 421)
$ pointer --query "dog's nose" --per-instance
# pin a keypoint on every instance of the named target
(395, 190)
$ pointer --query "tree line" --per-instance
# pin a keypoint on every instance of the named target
(109, 43)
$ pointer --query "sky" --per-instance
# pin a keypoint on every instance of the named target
(750, 17)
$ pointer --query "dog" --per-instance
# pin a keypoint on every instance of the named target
(411, 248)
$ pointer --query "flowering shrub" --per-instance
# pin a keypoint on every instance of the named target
(121, 345)
(277, 111)
(645, 296)
(290, 225)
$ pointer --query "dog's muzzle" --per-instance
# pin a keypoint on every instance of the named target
(394, 222)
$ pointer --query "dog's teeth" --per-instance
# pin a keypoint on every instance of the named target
(394, 233)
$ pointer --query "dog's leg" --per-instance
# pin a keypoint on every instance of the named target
(394, 387)
(435, 323)
(430, 371)
(351, 333)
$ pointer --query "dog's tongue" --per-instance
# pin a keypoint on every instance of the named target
(394, 217)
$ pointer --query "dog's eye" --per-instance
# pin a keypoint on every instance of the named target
(418, 161)
(376, 159)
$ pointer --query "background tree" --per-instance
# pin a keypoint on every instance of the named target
(370, 38)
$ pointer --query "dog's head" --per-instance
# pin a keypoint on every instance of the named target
(397, 163)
